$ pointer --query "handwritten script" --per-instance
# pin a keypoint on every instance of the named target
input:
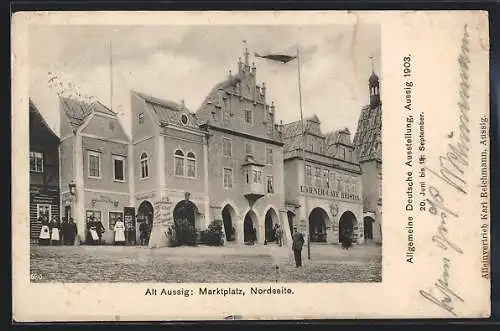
(451, 173)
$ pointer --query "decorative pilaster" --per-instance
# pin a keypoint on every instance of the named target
(79, 202)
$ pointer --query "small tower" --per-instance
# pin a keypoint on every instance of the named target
(374, 85)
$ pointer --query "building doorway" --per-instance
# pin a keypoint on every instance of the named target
(250, 227)
(145, 214)
(346, 227)
(318, 218)
(185, 210)
(228, 214)
(368, 227)
(271, 220)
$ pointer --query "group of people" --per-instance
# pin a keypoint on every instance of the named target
(54, 232)
(277, 235)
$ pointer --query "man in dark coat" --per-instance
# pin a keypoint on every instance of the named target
(71, 232)
(297, 243)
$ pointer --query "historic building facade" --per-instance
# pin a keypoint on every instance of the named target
(44, 171)
(323, 183)
(95, 172)
(170, 165)
(245, 157)
(368, 143)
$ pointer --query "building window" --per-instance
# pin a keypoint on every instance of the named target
(179, 163)
(36, 162)
(248, 116)
(44, 210)
(141, 118)
(113, 218)
(317, 176)
(248, 148)
(270, 185)
(144, 165)
(228, 178)
(94, 164)
(95, 213)
(118, 168)
(184, 119)
(257, 176)
(308, 175)
(326, 178)
(269, 156)
(247, 176)
(191, 165)
(227, 149)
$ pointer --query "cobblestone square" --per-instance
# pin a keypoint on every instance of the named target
(204, 264)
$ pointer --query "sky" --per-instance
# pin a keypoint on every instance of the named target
(185, 62)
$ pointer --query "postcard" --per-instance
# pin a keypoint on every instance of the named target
(250, 165)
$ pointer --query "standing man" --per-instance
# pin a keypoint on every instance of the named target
(297, 243)
(279, 235)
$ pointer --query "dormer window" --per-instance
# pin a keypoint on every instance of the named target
(184, 119)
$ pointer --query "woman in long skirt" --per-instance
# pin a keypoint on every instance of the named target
(119, 232)
(44, 238)
(55, 233)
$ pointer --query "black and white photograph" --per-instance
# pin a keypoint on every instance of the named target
(205, 153)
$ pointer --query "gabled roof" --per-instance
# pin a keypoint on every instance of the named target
(368, 138)
(167, 111)
(342, 136)
(35, 115)
(78, 110)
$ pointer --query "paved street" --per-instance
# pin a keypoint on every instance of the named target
(203, 264)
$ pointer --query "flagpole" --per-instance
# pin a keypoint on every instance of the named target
(303, 154)
(111, 75)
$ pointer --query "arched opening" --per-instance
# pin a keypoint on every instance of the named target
(185, 222)
(290, 217)
(228, 214)
(185, 210)
(145, 214)
(368, 227)
(346, 227)
(271, 221)
(318, 218)
(250, 227)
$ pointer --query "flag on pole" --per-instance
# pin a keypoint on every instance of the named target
(277, 57)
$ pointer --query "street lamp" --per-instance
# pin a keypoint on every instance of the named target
(72, 188)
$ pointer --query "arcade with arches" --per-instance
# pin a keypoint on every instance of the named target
(347, 227)
(318, 220)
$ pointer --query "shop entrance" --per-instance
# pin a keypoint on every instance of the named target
(228, 214)
(185, 210)
(318, 218)
(145, 214)
(250, 227)
(368, 227)
(271, 221)
(346, 227)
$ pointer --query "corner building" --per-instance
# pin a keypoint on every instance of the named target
(223, 163)
(94, 157)
(324, 194)
(368, 143)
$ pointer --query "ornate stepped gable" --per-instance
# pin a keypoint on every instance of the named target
(340, 137)
(219, 107)
(169, 112)
(292, 132)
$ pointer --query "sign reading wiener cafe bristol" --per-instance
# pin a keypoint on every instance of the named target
(325, 192)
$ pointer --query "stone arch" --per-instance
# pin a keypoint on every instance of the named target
(347, 224)
(250, 227)
(229, 219)
(270, 220)
(186, 209)
(318, 221)
(368, 224)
